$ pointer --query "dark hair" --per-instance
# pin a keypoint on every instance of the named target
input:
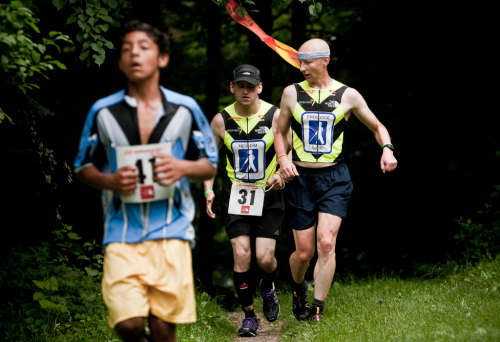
(160, 38)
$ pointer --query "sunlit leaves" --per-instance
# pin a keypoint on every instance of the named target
(59, 64)
(4, 116)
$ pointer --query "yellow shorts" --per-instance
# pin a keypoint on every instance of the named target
(153, 276)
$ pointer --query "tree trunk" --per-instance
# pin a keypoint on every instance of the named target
(206, 228)
(300, 17)
(260, 53)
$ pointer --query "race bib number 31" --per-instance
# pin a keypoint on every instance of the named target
(246, 199)
(141, 156)
(317, 132)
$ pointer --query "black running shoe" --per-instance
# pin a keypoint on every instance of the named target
(270, 305)
(249, 327)
(300, 306)
(316, 315)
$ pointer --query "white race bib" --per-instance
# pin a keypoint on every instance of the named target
(141, 156)
(246, 199)
(249, 159)
(317, 132)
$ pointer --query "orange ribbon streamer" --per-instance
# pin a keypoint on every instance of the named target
(286, 52)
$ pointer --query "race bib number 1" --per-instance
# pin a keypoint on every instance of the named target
(246, 199)
(141, 156)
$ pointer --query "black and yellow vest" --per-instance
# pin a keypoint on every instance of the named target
(318, 124)
(249, 144)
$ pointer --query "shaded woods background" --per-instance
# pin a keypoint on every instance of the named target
(393, 53)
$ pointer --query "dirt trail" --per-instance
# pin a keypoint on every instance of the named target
(268, 332)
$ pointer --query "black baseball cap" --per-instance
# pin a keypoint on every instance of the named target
(246, 73)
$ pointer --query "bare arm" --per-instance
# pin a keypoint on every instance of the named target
(169, 170)
(276, 181)
(218, 128)
(282, 136)
(353, 102)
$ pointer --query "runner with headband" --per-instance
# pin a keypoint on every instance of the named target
(319, 188)
(245, 132)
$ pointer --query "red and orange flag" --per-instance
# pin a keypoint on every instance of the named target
(287, 53)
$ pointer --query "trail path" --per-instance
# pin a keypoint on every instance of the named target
(269, 332)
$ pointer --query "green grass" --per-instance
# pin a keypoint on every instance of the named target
(464, 306)
(212, 325)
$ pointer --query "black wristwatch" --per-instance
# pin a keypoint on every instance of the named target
(389, 146)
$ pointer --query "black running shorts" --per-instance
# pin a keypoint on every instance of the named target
(326, 190)
(267, 226)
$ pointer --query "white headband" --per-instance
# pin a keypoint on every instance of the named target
(313, 55)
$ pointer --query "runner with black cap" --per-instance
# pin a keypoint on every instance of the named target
(245, 131)
(319, 187)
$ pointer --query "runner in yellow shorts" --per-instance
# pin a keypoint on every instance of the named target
(141, 146)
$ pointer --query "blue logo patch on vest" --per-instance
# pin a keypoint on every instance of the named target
(317, 132)
(249, 159)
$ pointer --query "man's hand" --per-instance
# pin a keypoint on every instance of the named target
(275, 182)
(210, 200)
(388, 162)
(124, 181)
(287, 169)
(168, 170)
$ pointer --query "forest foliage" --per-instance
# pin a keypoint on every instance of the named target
(58, 57)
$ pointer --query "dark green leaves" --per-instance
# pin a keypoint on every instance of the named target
(93, 18)
(109, 45)
(104, 27)
(84, 55)
(4, 116)
(36, 56)
(99, 59)
(72, 19)
(90, 11)
(59, 4)
(241, 11)
(23, 61)
(112, 3)
(315, 9)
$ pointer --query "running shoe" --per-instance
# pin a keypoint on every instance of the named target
(316, 315)
(249, 327)
(270, 305)
(300, 306)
